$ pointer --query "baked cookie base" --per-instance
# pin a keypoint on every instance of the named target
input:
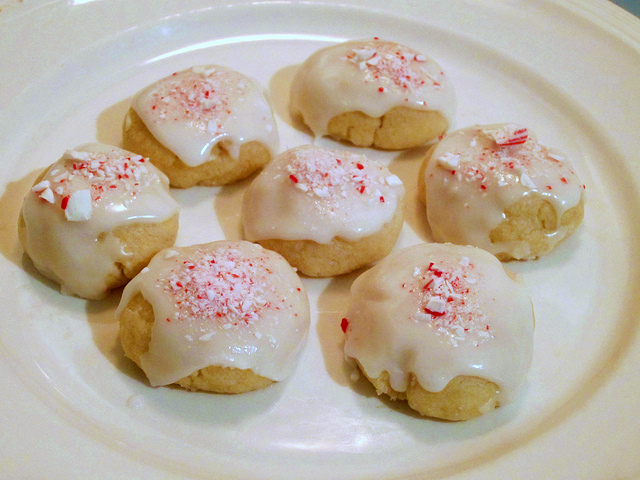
(399, 128)
(221, 169)
(136, 323)
(139, 241)
(340, 256)
(533, 220)
(464, 397)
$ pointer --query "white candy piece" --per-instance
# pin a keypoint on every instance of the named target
(526, 181)
(449, 160)
(436, 304)
(47, 194)
(76, 155)
(393, 181)
(79, 207)
(39, 187)
(508, 134)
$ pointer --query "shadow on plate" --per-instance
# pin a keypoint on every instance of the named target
(109, 123)
(332, 307)
(228, 208)
(10, 206)
(406, 166)
(279, 86)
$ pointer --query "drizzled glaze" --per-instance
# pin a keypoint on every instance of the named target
(476, 173)
(70, 214)
(192, 110)
(231, 304)
(439, 311)
(371, 76)
(314, 193)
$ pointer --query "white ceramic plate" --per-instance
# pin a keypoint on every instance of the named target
(74, 407)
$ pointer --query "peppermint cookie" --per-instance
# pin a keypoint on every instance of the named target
(95, 218)
(207, 125)
(373, 93)
(442, 326)
(497, 188)
(226, 317)
(328, 212)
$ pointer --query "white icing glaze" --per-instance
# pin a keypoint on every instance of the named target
(315, 193)
(84, 196)
(230, 304)
(439, 311)
(371, 76)
(192, 110)
(471, 180)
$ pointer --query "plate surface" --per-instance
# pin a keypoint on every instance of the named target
(74, 407)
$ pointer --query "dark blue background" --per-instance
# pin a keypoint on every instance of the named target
(632, 6)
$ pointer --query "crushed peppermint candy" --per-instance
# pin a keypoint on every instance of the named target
(402, 66)
(449, 160)
(81, 180)
(43, 189)
(510, 134)
(224, 288)
(344, 325)
(79, 206)
(393, 181)
(490, 163)
(446, 300)
(330, 174)
(201, 94)
(526, 181)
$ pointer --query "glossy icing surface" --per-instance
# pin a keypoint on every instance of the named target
(70, 214)
(231, 304)
(371, 76)
(193, 110)
(439, 311)
(315, 193)
(474, 174)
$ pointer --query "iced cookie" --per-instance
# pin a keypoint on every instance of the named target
(226, 317)
(442, 326)
(327, 211)
(95, 218)
(373, 93)
(497, 188)
(207, 125)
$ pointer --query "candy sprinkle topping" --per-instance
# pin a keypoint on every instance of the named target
(510, 134)
(344, 324)
(504, 156)
(202, 95)
(405, 68)
(445, 293)
(329, 174)
(224, 287)
(82, 180)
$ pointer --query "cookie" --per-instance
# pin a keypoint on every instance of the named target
(224, 317)
(206, 125)
(498, 188)
(95, 218)
(373, 93)
(443, 327)
(327, 211)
